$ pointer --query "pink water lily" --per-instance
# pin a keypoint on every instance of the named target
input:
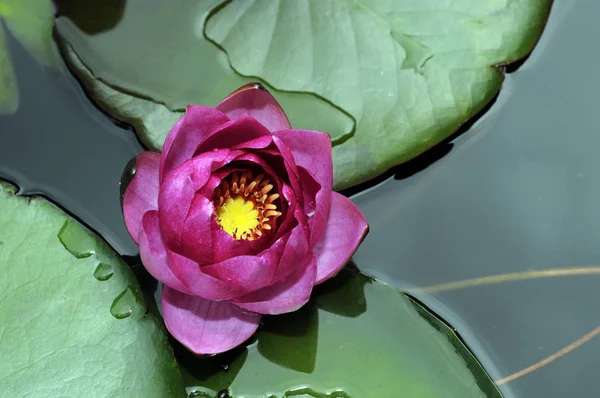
(237, 218)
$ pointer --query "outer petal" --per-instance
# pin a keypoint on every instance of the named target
(346, 228)
(287, 296)
(154, 253)
(248, 273)
(317, 200)
(204, 326)
(199, 283)
(196, 236)
(254, 100)
(175, 199)
(141, 194)
(198, 123)
(178, 191)
(312, 150)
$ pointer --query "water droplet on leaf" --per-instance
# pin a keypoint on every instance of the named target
(103, 272)
(76, 239)
(128, 303)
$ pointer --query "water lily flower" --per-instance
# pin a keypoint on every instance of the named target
(237, 218)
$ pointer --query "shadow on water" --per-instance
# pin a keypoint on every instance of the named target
(92, 19)
(290, 340)
(343, 295)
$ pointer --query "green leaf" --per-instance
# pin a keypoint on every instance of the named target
(31, 22)
(173, 65)
(60, 284)
(356, 338)
(410, 72)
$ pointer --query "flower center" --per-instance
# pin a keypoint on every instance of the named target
(244, 207)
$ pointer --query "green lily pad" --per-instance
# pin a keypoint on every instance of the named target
(173, 65)
(31, 22)
(72, 320)
(355, 338)
(408, 71)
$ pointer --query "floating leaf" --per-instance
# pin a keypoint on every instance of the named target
(173, 65)
(377, 343)
(57, 334)
(410, 72)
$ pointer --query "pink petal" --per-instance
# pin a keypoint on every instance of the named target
(249, 273)
(266, 167)
(204, 326)
(293, 213)
(346, 228)
(317, 201)
(195, 126)
(287, 296)
(175, 199)
(295, 253)
(289, 164)
(234, 134)
(154, 253)
(214, 181)
(225, 247)
(257, 143)
(177, 192)
(196, 236)
(312, 150)
(199, 283)
(254, 100)
(204, 164)
(141, 194)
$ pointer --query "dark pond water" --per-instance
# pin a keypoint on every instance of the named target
(517, 192)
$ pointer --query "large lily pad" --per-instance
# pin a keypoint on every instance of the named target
(408, 71)
(31, 22)
(356, 338)
(152, 59)
(72, 323)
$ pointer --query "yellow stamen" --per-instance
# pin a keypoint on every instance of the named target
(245, 211)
